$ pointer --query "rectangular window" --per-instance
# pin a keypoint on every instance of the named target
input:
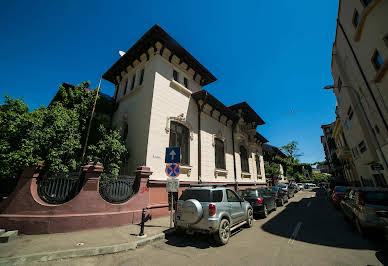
(180, 137)
(244, 159)
(258, 165)
(350, 113)
(125, 88)
(377, 129)
(186, 82)
(339, 84)
(380, 182)
(141, 77)
(356, 18)
(219, 154)
(175, 75)
(377, 60)
(386, 39)
(133, 81)
(362, 146)
(365, 3)
(355, 152)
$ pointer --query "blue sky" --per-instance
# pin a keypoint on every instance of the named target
(273, 54)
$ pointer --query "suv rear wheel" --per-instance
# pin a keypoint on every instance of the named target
(223, 234)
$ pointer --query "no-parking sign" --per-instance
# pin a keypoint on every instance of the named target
(173, 170)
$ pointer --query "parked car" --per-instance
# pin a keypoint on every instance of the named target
(212, 209)
(290, 191)
(261, 199)
(295, 187)
(280, 195)
(366, 208)
(301, 186)
(338, 195)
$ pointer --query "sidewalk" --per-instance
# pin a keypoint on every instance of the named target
(30, 248)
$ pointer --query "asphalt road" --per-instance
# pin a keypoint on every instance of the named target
(307, 231)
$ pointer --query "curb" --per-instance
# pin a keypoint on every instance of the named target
(84, 252)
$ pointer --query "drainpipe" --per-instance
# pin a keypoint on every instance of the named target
(200, 109)
(234, 157)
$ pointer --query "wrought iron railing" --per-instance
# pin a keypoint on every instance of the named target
(58, 189)
(119, 190)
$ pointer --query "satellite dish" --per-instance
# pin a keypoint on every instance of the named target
(121, 53)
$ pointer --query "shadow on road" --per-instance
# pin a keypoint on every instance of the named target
(321, 224)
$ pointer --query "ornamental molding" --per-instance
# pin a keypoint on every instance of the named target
(219, 135)
(179, 119)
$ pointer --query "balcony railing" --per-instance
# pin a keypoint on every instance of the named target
(343, 153)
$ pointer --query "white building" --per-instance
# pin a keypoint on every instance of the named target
(161, 103)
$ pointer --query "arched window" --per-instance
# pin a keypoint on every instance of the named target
(244, 159)
(219, 154)
(179, 137)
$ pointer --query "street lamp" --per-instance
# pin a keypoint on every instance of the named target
(328, 87)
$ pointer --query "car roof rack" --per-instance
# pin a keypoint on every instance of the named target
(207, 185)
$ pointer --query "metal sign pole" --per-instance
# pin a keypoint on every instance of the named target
(172, 206)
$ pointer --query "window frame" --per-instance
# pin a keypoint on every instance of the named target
(125, 87)
(244, 168)
(141, 77)
(185, 140)
(133, 81)
(362, 146)
(177, 75)
(350, 112)
(186, 82)
(376, 64)
(258, 165)
(356, 18)
(221, 160)
(364, 4)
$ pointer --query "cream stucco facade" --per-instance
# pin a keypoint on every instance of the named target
(359, 66)
(159, 98)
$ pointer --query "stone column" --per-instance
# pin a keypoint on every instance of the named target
(92, 171)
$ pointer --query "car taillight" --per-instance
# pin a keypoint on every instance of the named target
(212, 209)
(360, 199)
(259, 200)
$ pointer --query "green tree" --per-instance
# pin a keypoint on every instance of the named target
(111, 151)
(271, 169)
(292, 150)
(56, 134)
(16, 147)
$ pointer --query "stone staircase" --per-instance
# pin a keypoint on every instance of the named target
(6, 236)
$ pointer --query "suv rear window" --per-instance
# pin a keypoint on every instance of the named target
(376, 197)
(202, 195)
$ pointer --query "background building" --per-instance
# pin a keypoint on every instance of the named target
(359, 69)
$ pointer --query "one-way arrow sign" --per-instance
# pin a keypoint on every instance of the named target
(173, 155)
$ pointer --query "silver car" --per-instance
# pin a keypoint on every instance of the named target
(212, 209)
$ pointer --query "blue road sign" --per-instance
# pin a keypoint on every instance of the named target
(173, 155)
(173, 170)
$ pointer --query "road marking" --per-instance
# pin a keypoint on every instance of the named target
(308, 204)
(295, 233)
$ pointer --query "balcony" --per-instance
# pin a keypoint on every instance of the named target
(343, 153)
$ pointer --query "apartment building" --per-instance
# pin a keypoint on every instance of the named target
(161, 103)
(344, 155)
(329, 146)
(359, 70)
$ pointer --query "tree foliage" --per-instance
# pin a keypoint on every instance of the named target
(271, 169)
(56, 135)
